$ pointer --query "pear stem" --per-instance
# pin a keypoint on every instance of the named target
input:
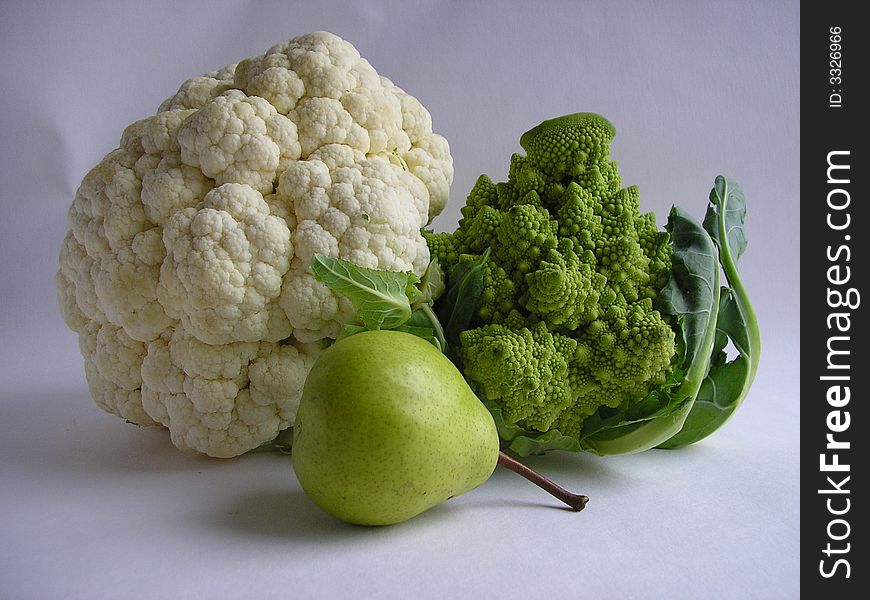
(575, 501)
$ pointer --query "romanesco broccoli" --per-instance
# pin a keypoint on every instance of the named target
(565, 324)
(525, 368)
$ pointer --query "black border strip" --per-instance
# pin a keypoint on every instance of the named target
(834, 340)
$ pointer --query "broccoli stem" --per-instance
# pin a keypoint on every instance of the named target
(576, 501)
(436, 325)
(741, 296)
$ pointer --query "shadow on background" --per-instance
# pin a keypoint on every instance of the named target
(62, 438)
(63, 430)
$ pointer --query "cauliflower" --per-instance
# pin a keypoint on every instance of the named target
(185, 267)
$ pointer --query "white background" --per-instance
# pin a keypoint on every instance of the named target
(91, 507)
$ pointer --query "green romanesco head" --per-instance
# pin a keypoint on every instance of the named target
(568, 145)
(564, 291)
(565, 324)
(523, 368)
(444, 247)
(656, 247)
(526, 234)
(481, 229)
(579, 218)
(499, 297)
(619, 358)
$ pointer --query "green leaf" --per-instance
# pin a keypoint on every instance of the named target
(426, 333)
(664, 400)
(432, 285)
(727, 383)
(382, 298)
(457, 306)
(692, 297)
(692, 293)
(732, 323)
(726, 216)
(714, 404)
(723, 384)
(543, 443)
(506, 431)
(350, 329)
(424, 316)
(412, 292)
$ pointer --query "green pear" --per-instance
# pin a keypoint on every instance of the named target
(387, 428)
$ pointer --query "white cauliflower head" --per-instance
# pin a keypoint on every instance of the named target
(185, 268)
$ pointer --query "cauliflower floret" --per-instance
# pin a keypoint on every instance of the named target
(113, 363)
(238, 138)
(379, 112)
(431, 163)
(78, 298)
(126, 284)
(270, 77)
(157, 134)
(325, 121)
(224, 267)
(428, 158)
(170, 186)
(189, 245)
(357, 211)
(317, 311)
(196, 91)
(328, 65)
(112, 268)
(277, 376)
(223, 400)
